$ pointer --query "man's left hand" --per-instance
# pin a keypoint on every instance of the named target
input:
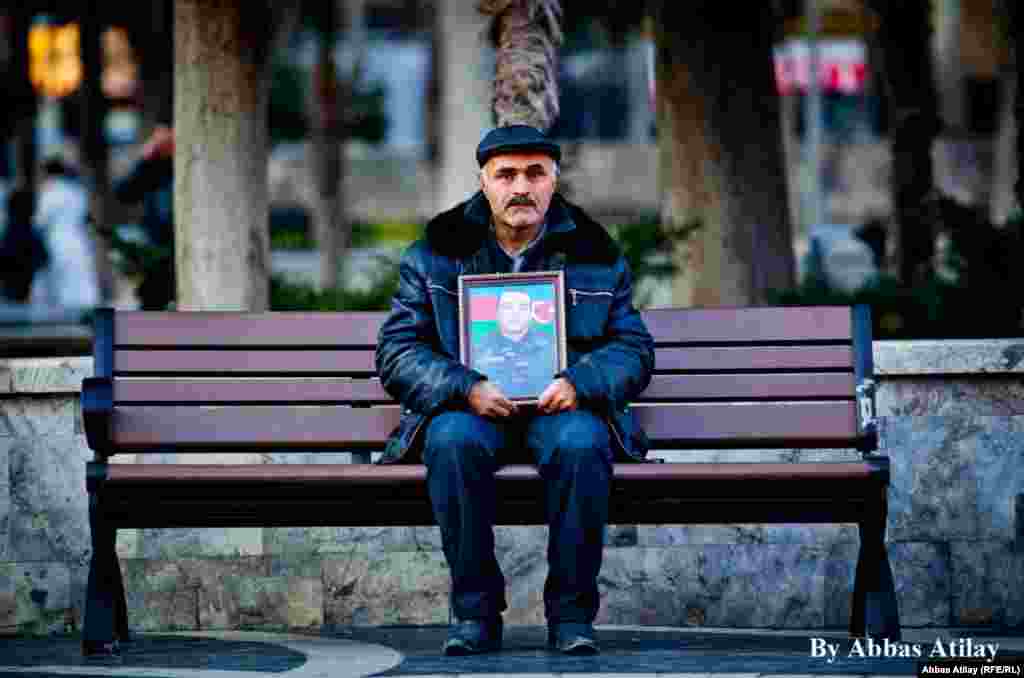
(559, 396)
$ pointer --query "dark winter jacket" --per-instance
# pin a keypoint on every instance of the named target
(610, 352)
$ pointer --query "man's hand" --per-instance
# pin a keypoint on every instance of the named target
(487, 400)
(559, 396)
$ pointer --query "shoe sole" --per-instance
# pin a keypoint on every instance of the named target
(461, 650)
(580, 650)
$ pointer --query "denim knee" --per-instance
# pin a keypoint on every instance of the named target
(581, 437)
(456, 437)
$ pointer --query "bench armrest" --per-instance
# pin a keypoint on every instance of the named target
(97, 411)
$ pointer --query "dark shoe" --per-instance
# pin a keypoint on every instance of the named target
(100, 651)
(572, 638)
(473, 636)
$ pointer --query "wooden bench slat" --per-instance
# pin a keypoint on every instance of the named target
(769, 424)
(216, 391)
(295, 329)
(358, 363)
(325, 362)
(821, 423)
(216, 328)
(399, 476)
(750, 325)
(343, 390)
(338, 495)
(712, 359)
(774, 386)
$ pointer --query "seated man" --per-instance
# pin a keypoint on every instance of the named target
(465, 427)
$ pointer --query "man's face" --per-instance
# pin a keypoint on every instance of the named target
(513, 313)
(519, 187)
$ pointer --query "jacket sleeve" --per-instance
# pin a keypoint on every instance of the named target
(409, 363)
(608, 378)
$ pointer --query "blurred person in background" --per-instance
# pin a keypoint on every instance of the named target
(22, 250)
(69, 280)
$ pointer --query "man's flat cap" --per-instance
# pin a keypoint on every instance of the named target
(516, 139)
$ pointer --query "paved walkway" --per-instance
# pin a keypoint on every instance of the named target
(627, 652)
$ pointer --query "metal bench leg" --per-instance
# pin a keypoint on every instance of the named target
(106, 613)
(874, 611)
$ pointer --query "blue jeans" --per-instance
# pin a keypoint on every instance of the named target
(572, 451)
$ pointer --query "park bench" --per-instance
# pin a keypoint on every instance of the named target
(741, 378)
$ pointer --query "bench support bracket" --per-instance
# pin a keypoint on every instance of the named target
(875, 611)
(106, 613)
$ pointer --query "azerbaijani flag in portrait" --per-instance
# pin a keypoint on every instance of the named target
(483, 307)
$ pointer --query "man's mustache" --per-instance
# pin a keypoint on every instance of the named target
(521, 201)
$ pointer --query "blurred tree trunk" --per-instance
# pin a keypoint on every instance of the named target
(905, 49)
(1005, 165)
(465, 92)
(222, 241)
(331, 229)
(527, 35)
(95, 151)
(156, 61)
(21, 125)
(720, 153)
(1015, 22)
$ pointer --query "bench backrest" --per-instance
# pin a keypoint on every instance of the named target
(759, 377)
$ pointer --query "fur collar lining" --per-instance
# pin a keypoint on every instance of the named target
(460, 231)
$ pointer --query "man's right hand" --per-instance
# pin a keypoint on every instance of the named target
(487, 400)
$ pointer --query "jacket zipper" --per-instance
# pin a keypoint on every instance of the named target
(587, 293)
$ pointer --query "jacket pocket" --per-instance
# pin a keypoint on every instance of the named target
(587, 312)
(403, 443)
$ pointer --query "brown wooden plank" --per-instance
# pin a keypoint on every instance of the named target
(296, 390)
(738, 425)
(749, 386)
(326, 329)
(752, 324)
(327, 427)
(361, 363)
(309, 495)
(713, 359)
(400, 475)
(356, 363)
(217, 328)
(344, 390)
(337, 427)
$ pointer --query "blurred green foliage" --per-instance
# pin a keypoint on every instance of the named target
(362, 113)
(287, 295)
(976, 295)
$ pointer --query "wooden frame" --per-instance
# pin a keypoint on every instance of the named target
(521, 367)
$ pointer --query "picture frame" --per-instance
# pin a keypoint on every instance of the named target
(512, 329)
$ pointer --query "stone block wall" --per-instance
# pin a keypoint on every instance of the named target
(952, 421)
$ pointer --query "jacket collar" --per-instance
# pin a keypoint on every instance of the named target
(461, 231)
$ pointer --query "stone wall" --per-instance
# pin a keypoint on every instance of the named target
(952, 420)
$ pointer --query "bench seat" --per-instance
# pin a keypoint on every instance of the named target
(285, 495)
(783, 378)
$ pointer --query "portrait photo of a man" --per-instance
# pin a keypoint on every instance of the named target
(512, 336)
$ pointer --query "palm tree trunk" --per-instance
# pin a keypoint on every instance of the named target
(526, 34)
(905, 47)
(721, 155)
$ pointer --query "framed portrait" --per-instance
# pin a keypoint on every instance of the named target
(512, 329)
